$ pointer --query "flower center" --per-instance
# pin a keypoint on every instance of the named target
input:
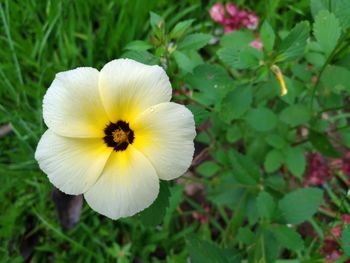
(118, 135)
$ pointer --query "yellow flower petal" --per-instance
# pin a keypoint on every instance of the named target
(164, 133)
(128, 87)
(72, 164)
(72, 105)
(127, 185)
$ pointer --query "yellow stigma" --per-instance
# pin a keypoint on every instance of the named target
(275, 69)
(120, 136)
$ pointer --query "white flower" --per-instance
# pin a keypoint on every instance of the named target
(112, 134)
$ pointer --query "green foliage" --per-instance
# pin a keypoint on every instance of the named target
(293, 45)
(327, 31)
(288, 237)
(300, 205)
(204, 251)
(154, 214)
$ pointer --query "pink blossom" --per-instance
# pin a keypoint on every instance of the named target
(235, 18)
(252, 22)
(217, 12)
(256, 44)
(232, 9)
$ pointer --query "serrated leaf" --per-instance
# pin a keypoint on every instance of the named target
(180, 28)
(296, 115)
(261, 119)
(267, 36)
(288, 237)
(240, 58)
(208, 168)
(342, 12)
(236, 103)
(204, 251)
(341, 9)
(154, 214)
(293, 45)
(244, 169)
(327, 31)
(273, 161)
(300, 205)
(322, 144)
(194, 41)
(295, 161)
(210, 80)
(266, 205)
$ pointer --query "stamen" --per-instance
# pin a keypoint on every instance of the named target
(118, 135)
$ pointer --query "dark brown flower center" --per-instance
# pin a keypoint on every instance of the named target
(118, 135)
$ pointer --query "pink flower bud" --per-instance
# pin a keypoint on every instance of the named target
(256, 44)
(217, 13)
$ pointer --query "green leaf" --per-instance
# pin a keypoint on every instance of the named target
(200, 114)
(245, 170)
(300, 205)
(266, 205)
(336, 78)
(210, 80)
(296, 115)
(342, 12)
(240, 58)
(141, 56)
(317, 6)
(194, 41)
(341, 9)
(261, 119)
(275, 141)
(154, 214)
(345, 239)
(273, 161)
(295, 161)
(293, 45)
(208, 168)
(288, 237)
(236, 103)
(267, 36)
(183, 61)
(138, 45)
(204, 251)
(238, 39)
(180, 28)
(322, 144)
(233, 133)
(246, 236)
(156, 20)
(327, 31)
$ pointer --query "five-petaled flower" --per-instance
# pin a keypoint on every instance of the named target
(113, 134)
